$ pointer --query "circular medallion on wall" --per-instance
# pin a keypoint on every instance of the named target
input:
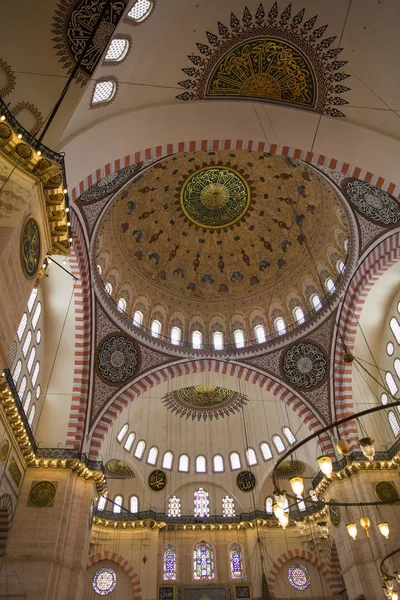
(42, 493)
(334, 513)
(304, 365)
(117, 359)
(30, 247)
(299, 577)
(4, 448)
(373, 203)
(157, 480)
(104, 581)
(246, 481)
(386, 492)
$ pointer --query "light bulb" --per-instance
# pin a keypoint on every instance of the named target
(395, 596)
(300, 526)
(38, 152)
(352, 530)
(2, 118)
(367, 447)
(19, 136)
(280, 497)
(325, 464)
(65, 191)
(365, 524)
(384, 529)
(297, 484)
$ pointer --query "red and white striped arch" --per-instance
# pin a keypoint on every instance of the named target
(253, 376)
(122, 562)
(377, 261)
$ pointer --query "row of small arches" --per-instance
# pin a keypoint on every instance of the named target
(201, 461)
(391, 382)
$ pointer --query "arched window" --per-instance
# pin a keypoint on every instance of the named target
(169, 563)
(27, 343)
(235, 461)
(36, 315)
(268, 505)
(152, 456)
(32, 299)
(21, 326)
(228, 507)
(384, 399)
(316, 301)
(197, 340)
(218, 463)
(390, 348)
(238, 336)
(140, 449)
(99, 269)
(38, 336)
(17, 372)
(22, 388)
(330, 285)
(32, 415)
(129, 441)
(101, 503)
(218, 340)
(395, 327)
(176, 335)
(108, 288)
(122, 433)
(134, 504)
(174, 507)
(289, 435)
(391, 383)
(201, 465)
(280, 326)
(340, 266)
(201, 503)
(27, 402)
(203, 562)
(251, 457)
(279, 445)
(117, 50)
(298, 315)
(236, 561)
(140, 10)
(301, 504)
(35, 373)
(104, 91)
(121, 305)
(156, 328)
(37, 394)
(397, 367)
(393, 422)
(265, 451)
(183, 463)
(118, 501)
(138, 317)
(31, 359)
(259, 332)
(167, 460)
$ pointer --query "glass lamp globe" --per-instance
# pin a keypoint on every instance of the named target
(297, 484)
(384, 529)
(300, 526)
(367, 447)
(352, 530)
(325, 464)
(280, 498)
(395, 596)
(278, 510)
(284, 520)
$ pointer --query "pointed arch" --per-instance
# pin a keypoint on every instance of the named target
(122, 562)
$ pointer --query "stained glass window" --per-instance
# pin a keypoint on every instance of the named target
(393, 422)
(155, 328)
(174, 507)
(103, 92)
(280, 326)
(201, 503)
(236, 560)
(203, 562)
(228, 507)
(298, 315)
(218, 340)
(104, 581)
(316, 301)
(390, 348)
(299, 577)
(169, 567)
(330, 286)
(108, 288)
(391, 383)
(197, 339)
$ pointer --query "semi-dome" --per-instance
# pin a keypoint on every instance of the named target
(201, 239)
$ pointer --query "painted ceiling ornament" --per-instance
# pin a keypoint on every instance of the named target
(9, 76)
(204, 402)
(30, 247)
(35, 112)
(271, 57)
(119, 469)
(372, 202)
(109, 184)
(117, 359)
(73, 25)
(304, 365)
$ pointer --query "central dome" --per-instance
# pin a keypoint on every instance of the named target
(221, 233)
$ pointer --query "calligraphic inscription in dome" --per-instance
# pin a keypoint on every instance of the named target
(157, 480)
(289, 468)
(4, 448)
(119, 468)
(304, 365)
(215, 197)
(372, 202)
(246, 481)
(334, 513)
(204, 402)
(42, 493)
(108, 185)
(265, 68)
(386, 492)
(117, 359)
(30, 247)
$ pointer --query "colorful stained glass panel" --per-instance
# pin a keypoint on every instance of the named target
(236, 560)
(203, 562)
(104, 581)
(169, 563)
(299, 577)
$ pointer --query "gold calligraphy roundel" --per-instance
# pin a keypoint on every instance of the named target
(4, 448)
(246, 481)
(42, 493)
(386, 492)
(30, 247)
(157, 480)
(215, 197)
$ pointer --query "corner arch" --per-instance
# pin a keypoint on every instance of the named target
(122, 562)
(6, 512)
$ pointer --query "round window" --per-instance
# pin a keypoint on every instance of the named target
(104, 581)
(299, 577)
